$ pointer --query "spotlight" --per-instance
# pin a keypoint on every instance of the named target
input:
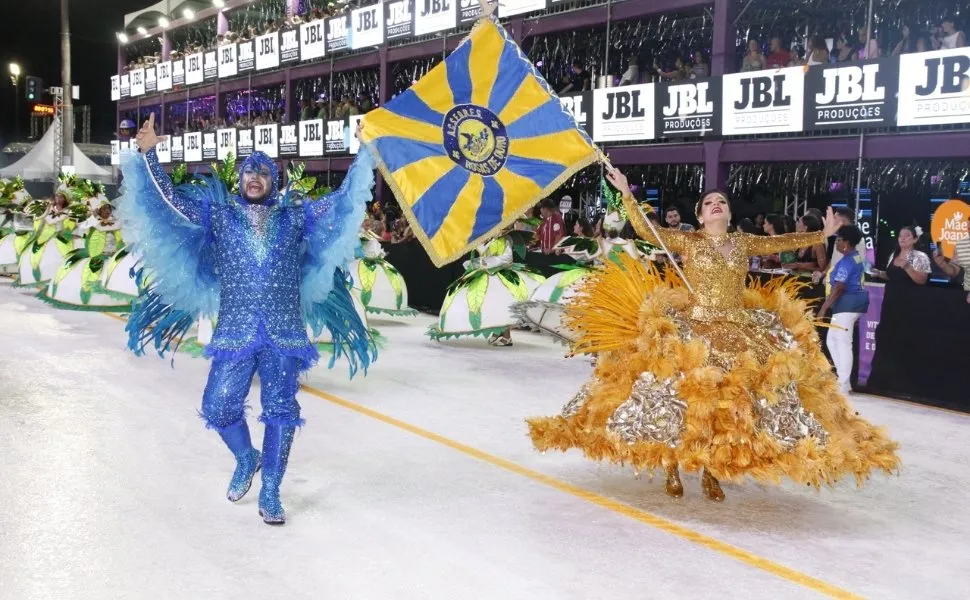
(219, 3)
(122, 37)
(188, 14)
(163, 22)
(142, 31)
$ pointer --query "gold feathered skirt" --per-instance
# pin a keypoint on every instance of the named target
(669, 391)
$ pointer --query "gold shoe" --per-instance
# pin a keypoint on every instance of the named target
(674, 487)
(712, 489)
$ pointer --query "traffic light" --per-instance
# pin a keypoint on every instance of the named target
(35, 88)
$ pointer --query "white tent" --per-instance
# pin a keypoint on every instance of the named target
(38, 164)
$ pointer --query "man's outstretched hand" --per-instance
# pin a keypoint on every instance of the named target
(146, 138)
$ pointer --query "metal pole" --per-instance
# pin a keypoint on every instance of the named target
(67, 115)
(606, 57)
(862, 135)
(16, 106)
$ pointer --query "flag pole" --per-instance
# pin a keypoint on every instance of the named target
(609, 167)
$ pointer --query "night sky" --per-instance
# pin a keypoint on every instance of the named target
(31, 37)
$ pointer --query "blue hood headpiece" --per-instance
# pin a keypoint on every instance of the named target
(256, 161)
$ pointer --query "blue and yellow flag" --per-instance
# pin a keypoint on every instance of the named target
(474, 144)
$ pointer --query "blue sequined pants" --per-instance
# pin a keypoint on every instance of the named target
(224, 400)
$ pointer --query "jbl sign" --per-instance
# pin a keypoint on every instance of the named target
(313, 43)
(689, 109)
(367, 29)
(934, 87)
(267, 51)
(335, 136)
(311, 137)
(625, 113)
(857, 95)
(266, 140)
(764, 102)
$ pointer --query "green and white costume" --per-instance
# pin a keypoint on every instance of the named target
(480, 302)
(13, 221)
(79, 283)
(44, 249)
(381, 287)
(544, 310)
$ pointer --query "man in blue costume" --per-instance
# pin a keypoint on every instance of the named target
(265, 264)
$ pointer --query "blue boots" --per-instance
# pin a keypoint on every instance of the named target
(237, 439)
(277, 440)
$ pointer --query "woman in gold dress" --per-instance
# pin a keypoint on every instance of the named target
(726, 380)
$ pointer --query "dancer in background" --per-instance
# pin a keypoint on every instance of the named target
(480, 302)
(722, 380)
(268, 265)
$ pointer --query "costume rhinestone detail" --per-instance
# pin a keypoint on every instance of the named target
(572, 407)
(653, 412)
(787, 421)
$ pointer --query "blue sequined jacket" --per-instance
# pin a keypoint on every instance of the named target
(267, 271)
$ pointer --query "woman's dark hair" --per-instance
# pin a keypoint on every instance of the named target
(846, 212)
(747, 226)
(818, 43)
(700, 201)
(912, 230)
(812, 223)
(777, 223)
(789, 223)
(851, 234)
(585, 226)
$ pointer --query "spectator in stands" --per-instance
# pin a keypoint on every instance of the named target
(867, 49)
(907, 42)
(746, 225)
(951, 37)
(813, 258)
(632, 74)
(847, 300)
(759, 223)
(674, 220)
(775, 225)
(845, 48)
(680, 72)
(924, 44)
(818, 51)
(579, 79)
(553, 228)
(778, 57)
(960, 263)
(701, 68)
(754, 60)
(797, 59)
(307, 111)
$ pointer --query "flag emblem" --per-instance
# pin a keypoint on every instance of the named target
(474, 144)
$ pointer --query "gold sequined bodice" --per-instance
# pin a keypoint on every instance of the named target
(718, 280)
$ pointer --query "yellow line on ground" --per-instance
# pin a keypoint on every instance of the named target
(602, 501)
(626, 510)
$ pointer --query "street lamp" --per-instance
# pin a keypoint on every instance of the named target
(15, 80)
